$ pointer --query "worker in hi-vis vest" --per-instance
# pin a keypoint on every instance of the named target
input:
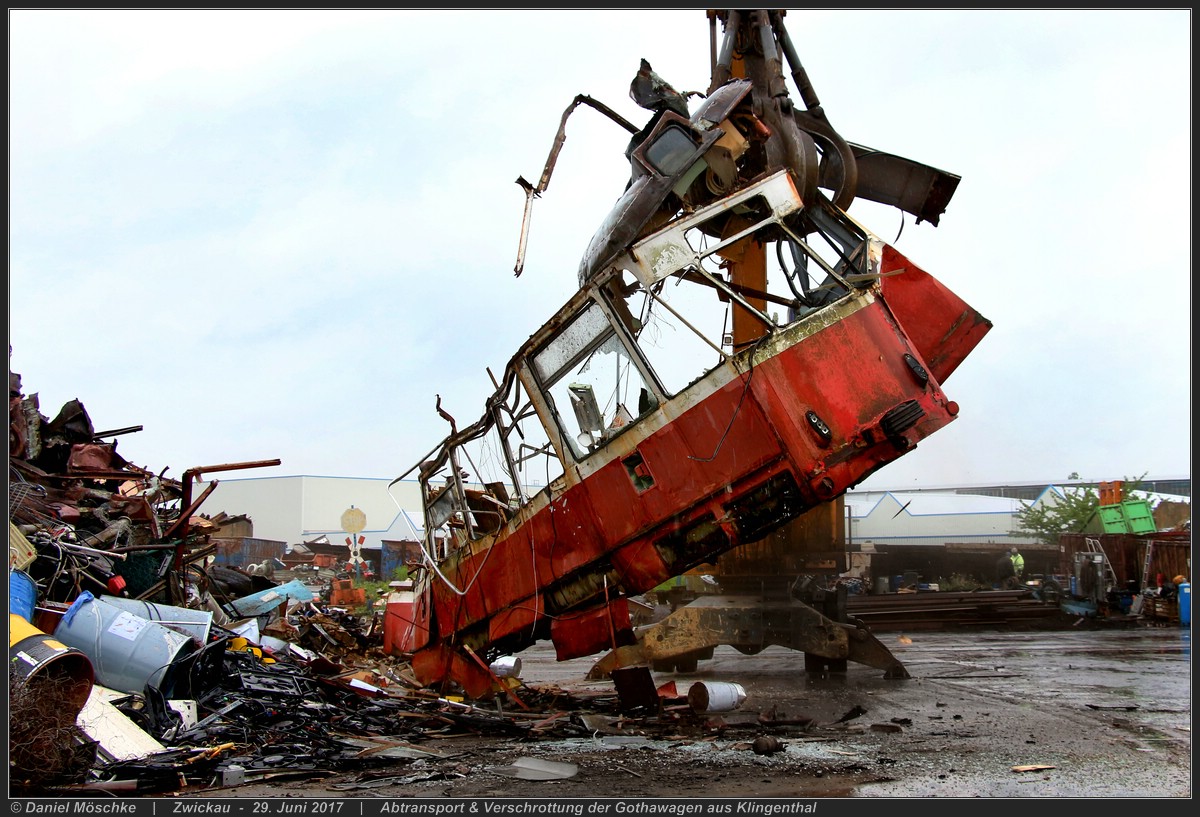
(1018, 562)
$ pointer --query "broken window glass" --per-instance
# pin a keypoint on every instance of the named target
(592, 381)
(680, 290)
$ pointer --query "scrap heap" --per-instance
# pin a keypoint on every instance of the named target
(118, 616)
(82, 507)
(87, 519)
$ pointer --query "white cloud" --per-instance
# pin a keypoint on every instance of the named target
(281, 233)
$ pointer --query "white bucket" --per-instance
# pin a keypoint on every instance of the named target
(508, 666)
(715, 696)
(127, 651)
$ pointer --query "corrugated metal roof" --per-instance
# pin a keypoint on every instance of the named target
(933, 503)
(927, 503)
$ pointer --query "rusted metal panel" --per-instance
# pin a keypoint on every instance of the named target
(229, 552)
(590, 631)
(1170, 556)
(889, 179)
(399, 617)
(514, 621)
(245, 550)
(91, 457)
(519, 579)
(942, 326)
(394, 555)
(786, 552)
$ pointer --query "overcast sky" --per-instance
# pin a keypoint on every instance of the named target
(280, 234)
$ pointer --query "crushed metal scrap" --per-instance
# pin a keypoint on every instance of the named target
(139, 666)
(96, 521)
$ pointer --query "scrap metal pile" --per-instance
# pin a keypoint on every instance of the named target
(82, 505)
(94, 520)
(140, 666)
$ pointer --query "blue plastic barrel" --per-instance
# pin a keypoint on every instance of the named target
(127, 651)
(1185, 604)
(22, 598)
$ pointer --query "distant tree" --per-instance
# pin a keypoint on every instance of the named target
(1131, 484)
(1070, 513)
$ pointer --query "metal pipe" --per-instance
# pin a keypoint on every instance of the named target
(724, 70)
(116, 432)
(191, 473)
(82, 549)
(799, 75)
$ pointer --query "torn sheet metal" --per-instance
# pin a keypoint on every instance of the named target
(265, 602)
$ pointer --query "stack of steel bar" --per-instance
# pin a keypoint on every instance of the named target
(937, 610)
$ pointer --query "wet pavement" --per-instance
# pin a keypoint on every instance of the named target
(1092, 713)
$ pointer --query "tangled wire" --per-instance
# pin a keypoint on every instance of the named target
(45, 747)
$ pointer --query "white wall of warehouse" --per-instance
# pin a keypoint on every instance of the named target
(296, 509)
(934, 519)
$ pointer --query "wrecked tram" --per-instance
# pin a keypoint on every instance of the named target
(740, 350)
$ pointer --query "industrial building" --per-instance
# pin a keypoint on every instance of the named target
(932, 533)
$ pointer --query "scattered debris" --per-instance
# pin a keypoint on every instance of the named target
(529, 768)
(766, 745)
(773, 718)
(854, 712)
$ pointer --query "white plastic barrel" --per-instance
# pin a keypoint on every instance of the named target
(715, 696)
